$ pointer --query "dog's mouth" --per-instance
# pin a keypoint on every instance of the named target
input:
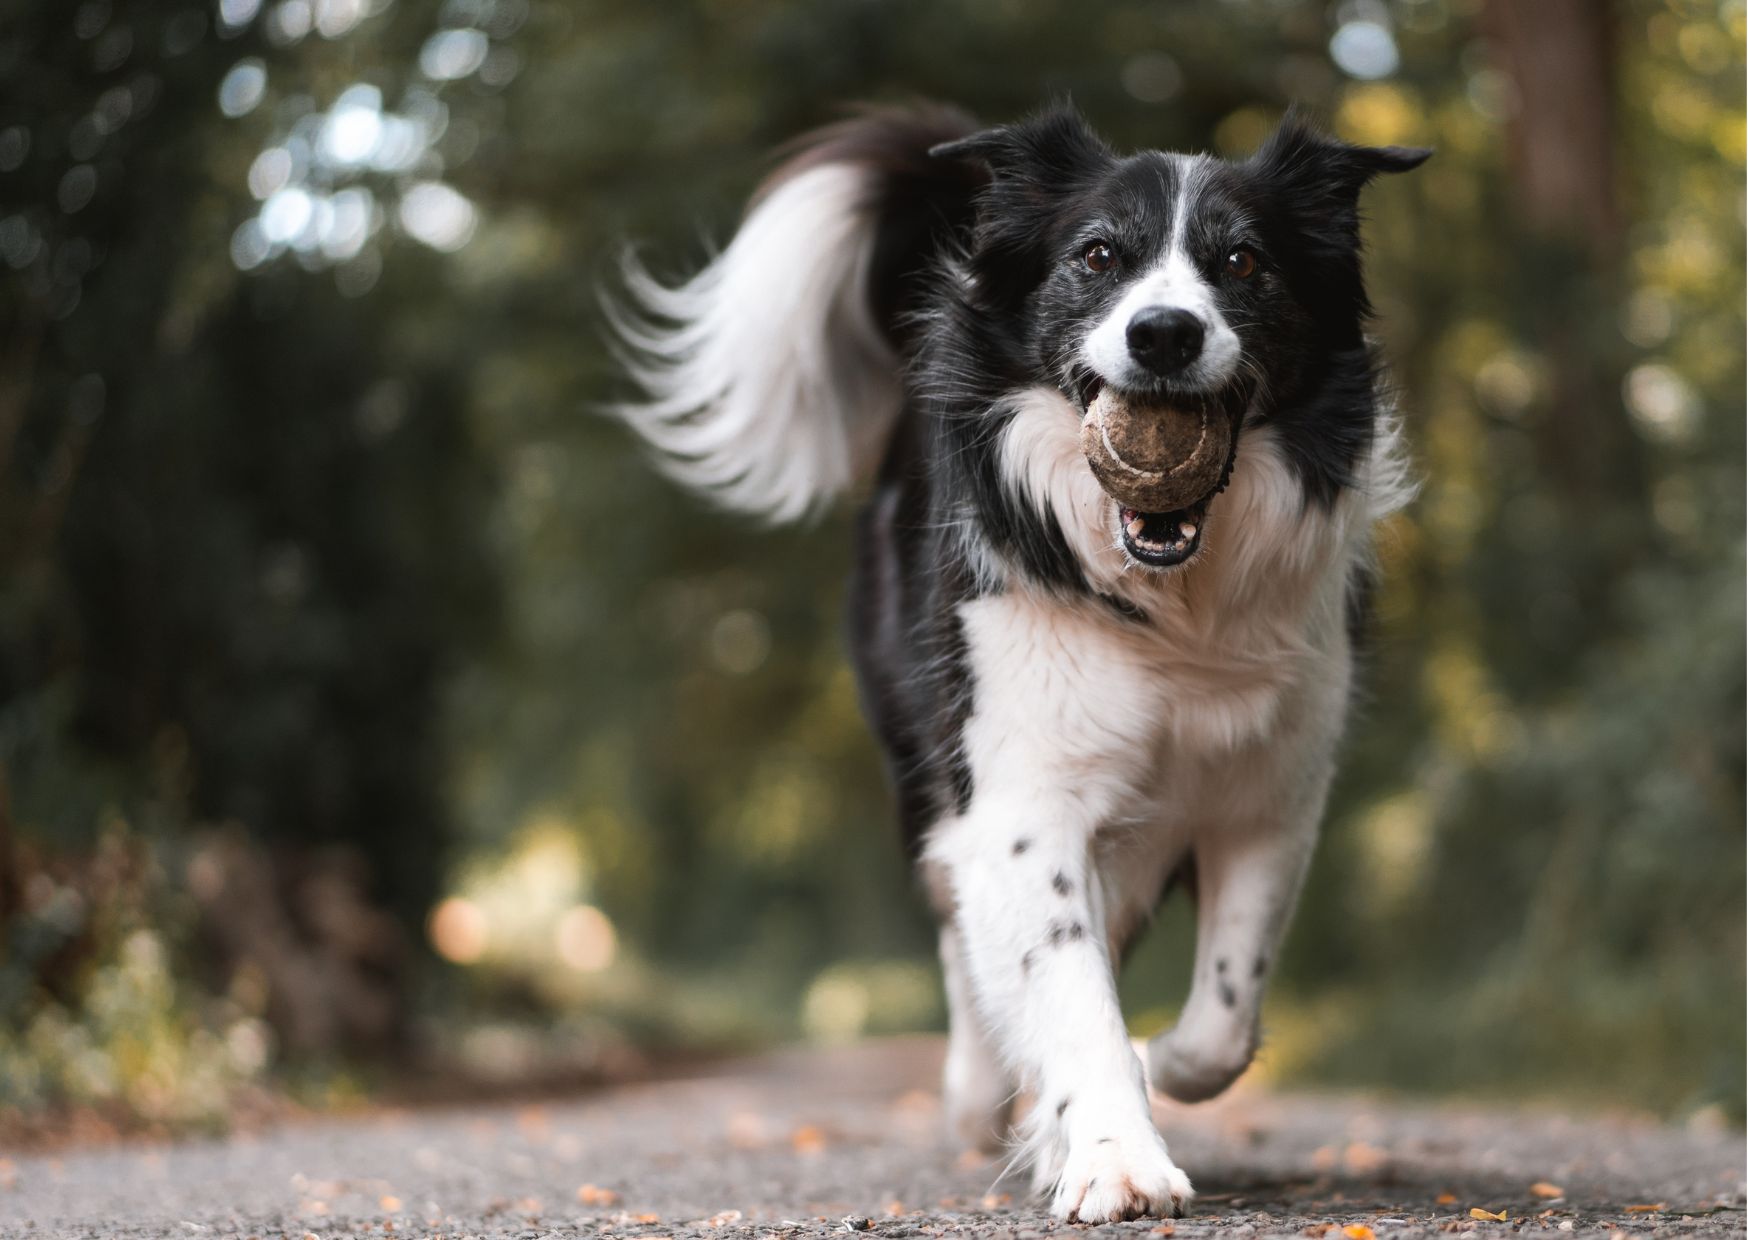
(1163, 539)
(1085, 385)
(1158, 539)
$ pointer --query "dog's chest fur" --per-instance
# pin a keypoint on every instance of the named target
(1208, 656)
(1214, 707)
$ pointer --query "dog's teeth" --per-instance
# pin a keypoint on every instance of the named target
(1136, 526)
(1186, 529)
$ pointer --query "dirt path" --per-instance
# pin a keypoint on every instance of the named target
(790, 1144)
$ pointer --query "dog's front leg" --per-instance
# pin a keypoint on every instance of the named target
(1246, 886)
(1029, 915)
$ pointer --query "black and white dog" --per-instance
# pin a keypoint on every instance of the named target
(1079, 702)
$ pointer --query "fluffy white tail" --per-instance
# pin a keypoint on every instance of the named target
(770, 386)
(770, 379)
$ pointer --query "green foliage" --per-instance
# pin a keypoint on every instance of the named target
(121, 1033)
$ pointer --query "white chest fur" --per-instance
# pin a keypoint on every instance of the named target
(1229, 638)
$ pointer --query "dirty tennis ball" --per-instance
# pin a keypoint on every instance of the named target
(1155, 457)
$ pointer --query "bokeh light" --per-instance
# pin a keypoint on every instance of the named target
(330, 179)
(585, 939)
(434, 213)
(452, 54)
(243, 87)
(1363, 45)
(458, 930)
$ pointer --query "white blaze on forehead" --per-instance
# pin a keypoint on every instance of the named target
(1172, 283)
(1192, 174)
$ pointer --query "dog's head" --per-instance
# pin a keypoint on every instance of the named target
(1185, 284)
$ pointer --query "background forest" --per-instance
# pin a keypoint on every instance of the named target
(365, 699)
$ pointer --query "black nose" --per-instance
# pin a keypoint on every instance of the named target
(1165, 341)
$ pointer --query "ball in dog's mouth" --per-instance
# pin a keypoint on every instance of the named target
(1162, 463)
(1162, 539)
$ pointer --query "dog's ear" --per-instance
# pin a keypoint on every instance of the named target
(1316, 168)
(1310, 196)
(1054, 148)
(1032, 166)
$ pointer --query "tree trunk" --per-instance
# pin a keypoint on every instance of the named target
(1562, 151)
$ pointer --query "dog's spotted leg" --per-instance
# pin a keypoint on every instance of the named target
(1030, 919)
(1246, 886)
(978, 1090)
(1055, 745)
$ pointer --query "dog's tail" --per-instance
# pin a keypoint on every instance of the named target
(772, 378)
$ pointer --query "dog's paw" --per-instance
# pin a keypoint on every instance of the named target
(1192, 1069)
(1117, 1178)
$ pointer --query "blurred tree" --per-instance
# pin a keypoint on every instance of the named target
(240, 524)
(1561, 140)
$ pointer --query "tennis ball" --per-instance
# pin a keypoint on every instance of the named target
(1155, 457)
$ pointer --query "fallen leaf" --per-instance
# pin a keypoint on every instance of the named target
(1478, 1212)
(1164, 1229)
(918, 1101)
(895, 1208)
(646, 1218)
(391, 1204)
(590, 1195)
(1661, 1205)
(1446, 1199)
(1357, 1231)
(991, 1200)
(746, 1130)
(1364, 1159)
(1318, 1229)
(1541, 1188)
(807, 1139)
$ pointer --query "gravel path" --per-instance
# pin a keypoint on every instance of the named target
(790, 1144)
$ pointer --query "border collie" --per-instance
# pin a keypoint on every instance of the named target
(1079, 703)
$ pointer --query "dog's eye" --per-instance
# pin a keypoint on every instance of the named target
(1241, 263)
(1098, 257)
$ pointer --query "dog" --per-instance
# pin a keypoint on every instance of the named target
(1079, 701)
